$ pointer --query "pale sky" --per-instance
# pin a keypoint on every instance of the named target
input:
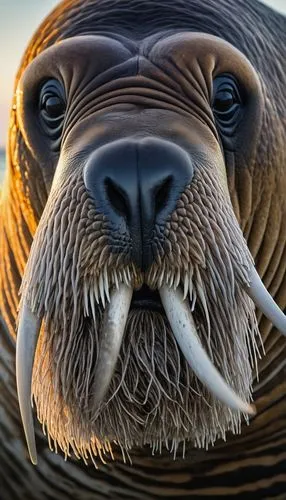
(18, 20)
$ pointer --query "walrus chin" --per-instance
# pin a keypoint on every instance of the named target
(106, 371)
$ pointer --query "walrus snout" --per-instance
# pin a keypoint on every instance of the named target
(136, 185)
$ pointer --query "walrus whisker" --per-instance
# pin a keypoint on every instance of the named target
(112, 332)
(28, 332)
(263, 300)
(184, 329)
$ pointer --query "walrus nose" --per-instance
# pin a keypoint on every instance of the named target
(136, 185)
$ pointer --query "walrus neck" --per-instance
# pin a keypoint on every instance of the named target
(17, 225)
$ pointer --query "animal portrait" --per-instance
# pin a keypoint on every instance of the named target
(143, 255)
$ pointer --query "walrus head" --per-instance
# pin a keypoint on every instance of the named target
(139, 278)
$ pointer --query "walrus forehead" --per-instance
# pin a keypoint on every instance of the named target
(104, 59)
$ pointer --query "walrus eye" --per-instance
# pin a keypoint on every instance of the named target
(226, 102)
(52, 103)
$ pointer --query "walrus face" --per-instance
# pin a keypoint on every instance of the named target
(139, 275)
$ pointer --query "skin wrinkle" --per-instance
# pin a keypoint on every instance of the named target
(270, 238)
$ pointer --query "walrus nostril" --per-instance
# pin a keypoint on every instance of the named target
(162, 194)
(117, 198)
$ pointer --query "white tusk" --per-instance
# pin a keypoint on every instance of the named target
(263, 300)
(184, 329)
(114, 322)
(27, 337)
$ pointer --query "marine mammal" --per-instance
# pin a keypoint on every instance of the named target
(95, 136)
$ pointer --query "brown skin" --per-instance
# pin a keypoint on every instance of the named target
(167, 93)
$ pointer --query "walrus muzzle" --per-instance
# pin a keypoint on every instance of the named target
(105, 371)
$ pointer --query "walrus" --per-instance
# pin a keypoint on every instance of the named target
(143, 205)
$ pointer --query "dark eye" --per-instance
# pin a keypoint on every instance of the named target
(52, 107)
(224, 100)
(227, 102)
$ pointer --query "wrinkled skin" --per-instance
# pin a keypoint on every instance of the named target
(155, 85)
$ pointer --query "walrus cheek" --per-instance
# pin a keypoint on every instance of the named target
(180, 318)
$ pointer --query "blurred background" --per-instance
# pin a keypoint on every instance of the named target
(18, 20)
